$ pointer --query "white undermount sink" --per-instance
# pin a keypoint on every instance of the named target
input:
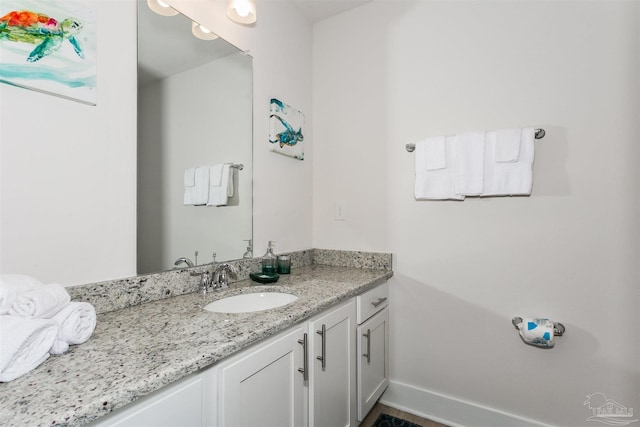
(247, 303)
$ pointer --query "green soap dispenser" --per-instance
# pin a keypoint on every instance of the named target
(269, 260)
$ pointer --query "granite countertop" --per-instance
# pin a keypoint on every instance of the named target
(139, 349)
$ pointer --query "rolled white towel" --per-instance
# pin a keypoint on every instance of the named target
(12, 285)
(43, 302)
(59, 347)
(77, 320)
(25, 344)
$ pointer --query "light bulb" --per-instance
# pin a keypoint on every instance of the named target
(202, 32)
(161, 8)
(243, 9)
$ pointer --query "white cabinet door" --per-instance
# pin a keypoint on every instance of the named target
(179, 404)
(332, 392)
(262, 386)
(373, 361)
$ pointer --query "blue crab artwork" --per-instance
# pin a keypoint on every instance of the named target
(288, 136)
(286, 129)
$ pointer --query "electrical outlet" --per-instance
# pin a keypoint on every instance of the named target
(339, 213)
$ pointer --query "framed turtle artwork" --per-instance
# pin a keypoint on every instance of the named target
(50, 47)
(285, 130)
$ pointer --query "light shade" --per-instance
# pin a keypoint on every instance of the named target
(242, 11)
(161, 8)
(201, 32)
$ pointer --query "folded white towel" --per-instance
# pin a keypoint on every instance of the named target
(507, 148)
(189, 185)
(43, 302)
(77, 320)
(12, 285)
(435, 153)
(509, 178)
(25, 344)
(196, 185)
(435, 184)
(469, 163)
(190, 177)
(221, 184)
(59, 347)
(215, 175)
(201, 192)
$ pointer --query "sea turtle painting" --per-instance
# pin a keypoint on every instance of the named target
(39, 29)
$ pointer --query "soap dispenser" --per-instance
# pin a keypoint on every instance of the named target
(269, 260)
(249, 253)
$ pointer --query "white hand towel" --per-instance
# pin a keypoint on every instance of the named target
(507, 148)
(435, 153)
(221, 185)
(510, 178)
(215, 175)
(190, 177)
(435, 184)
(77, 320)
(201, 192)
(189, 185)
(230, 182)
(469, 164)
(43, 302)
(25, 344)
(13, 285)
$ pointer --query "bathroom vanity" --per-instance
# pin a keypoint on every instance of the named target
(305, 375)
(170, 362)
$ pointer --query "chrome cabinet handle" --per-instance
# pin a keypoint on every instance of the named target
(304, 370)
(368, 354)
(323, 334)
(380, 301)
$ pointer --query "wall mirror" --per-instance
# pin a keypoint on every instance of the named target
(194, 110)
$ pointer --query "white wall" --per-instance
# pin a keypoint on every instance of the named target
(201, 116)
(68, 169)
(390, 73)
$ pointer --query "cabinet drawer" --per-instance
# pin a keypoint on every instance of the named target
(372, 301)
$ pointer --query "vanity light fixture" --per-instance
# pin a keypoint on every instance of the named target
(161, 8)
(242, 11)
(201, 32)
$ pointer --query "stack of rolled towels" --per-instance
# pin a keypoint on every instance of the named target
(37, 320)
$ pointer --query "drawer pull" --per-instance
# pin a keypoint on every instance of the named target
(380, 301)
(323, 334)
(304, 370)
(368, 354)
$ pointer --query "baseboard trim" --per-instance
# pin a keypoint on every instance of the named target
(449, 410)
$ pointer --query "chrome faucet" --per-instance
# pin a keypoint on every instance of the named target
(220, 279)
(185, 260)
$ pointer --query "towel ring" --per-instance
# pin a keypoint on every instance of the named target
(539, 134)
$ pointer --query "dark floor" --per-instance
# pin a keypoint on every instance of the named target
(383, 409)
